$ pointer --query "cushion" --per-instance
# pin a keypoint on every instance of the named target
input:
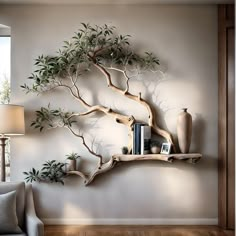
(8, 217)
(19, 187)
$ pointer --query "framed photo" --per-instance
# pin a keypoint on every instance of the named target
(165, 148)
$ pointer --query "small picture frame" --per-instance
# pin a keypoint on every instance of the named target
(165, 148)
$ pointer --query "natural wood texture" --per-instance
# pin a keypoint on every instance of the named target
(226, 115)
(222, 116)
(135, 231)
(231, 129)
(151, 115)
(98, 170)
(119, 118)
(190, 157)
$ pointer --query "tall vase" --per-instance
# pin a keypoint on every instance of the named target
(184, 130)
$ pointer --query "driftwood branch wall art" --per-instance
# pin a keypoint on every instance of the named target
(100, 50)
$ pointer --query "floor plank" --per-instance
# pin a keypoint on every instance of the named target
(135, 231)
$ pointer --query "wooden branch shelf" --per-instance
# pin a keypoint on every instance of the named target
(189, 157)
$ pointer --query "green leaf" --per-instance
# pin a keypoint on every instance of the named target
(85, 26)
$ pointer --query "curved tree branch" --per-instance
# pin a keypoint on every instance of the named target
(115, 159)
(125, 76)
(77, 97)
(86, 146)
(119, 118)
(151, 117)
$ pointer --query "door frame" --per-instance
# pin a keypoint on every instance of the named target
(225, 22)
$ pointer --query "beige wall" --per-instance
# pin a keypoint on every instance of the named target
(185, 39)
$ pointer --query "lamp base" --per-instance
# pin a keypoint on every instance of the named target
(3, 165)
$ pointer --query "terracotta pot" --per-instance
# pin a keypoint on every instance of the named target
(72, 165)
(184, 130)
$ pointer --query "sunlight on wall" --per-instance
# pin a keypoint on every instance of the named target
(72, 211)
(187, 48)
(178, 190)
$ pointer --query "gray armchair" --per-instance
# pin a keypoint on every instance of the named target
(25, 211)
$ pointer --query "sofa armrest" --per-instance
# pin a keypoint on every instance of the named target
(34, 226)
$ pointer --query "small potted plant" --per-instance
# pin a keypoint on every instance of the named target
(155, 147)
(124, 150)
(72, 157)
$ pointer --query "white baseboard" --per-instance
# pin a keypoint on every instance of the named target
(139, 221)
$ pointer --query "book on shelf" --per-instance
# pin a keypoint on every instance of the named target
(145, 139)
(136, 138)
(141, 139)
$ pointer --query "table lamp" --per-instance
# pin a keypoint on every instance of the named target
(12, 123)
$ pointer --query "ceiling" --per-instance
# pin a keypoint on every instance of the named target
(116, 2)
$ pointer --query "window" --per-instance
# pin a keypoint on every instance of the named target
(5, 61)
(5, 52)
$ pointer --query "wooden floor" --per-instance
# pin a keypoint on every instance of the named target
(135, 231)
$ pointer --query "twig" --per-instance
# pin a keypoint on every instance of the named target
(86, 146)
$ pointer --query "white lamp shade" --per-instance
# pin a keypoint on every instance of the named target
(12, 120)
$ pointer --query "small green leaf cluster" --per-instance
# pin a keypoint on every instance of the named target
(48, 68)
(72, 156)
(155, 143)
(32, 176)
(50, 118)
(90, 45)
(91, 38)
(52, 171)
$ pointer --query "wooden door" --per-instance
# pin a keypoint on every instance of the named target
(226, 116)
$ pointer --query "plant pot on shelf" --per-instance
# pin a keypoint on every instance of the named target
(124, 150)
(155, 149)
(72, 165)
(184, 130)
(72, 157)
